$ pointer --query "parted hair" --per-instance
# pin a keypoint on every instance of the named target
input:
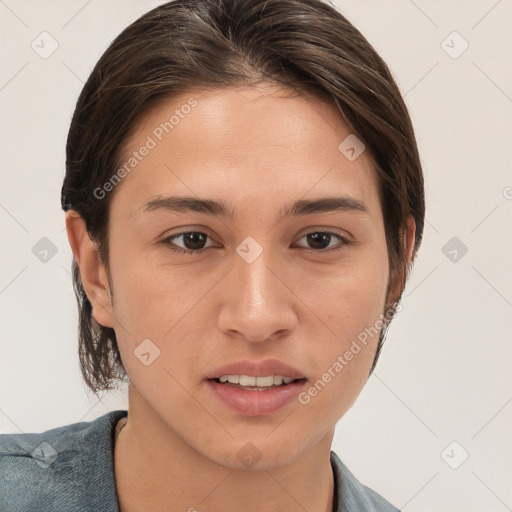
(306, 45)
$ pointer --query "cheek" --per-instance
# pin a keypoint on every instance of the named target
(150, 296)
(350, 302)
(161, 303)
(351, 296)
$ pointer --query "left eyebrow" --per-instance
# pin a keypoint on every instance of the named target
(219, 208)
(325, 204)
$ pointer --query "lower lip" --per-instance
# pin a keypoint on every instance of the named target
(250, 402)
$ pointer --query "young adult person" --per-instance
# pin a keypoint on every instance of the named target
(244, 198)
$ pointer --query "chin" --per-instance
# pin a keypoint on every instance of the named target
(261, 454)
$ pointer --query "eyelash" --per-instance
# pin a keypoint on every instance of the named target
(344, 242)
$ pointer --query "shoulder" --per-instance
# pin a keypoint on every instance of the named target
(60, 469)
(353, 496)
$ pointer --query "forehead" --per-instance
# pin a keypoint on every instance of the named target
(258, 144)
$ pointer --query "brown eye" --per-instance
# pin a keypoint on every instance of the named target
(319, 240)
(322, 241)
(193, 241)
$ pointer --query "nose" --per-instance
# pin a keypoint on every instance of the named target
(257, 300)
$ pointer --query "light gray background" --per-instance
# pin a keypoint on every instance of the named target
(444, 374)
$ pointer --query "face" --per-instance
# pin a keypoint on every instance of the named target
(268, 280)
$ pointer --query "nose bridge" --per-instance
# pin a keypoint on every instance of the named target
(257, 304)
(257, 284)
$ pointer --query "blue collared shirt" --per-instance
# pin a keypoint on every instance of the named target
(71, 469)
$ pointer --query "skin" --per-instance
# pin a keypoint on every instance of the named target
(256, 149)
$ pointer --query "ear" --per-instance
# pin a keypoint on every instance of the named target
(92, 271)
(398, 278)
(408, 241)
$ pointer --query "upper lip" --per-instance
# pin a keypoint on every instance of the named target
(260, 368)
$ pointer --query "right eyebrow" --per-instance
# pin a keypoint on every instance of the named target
(193, 204)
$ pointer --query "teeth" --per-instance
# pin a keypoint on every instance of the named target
(247, 380)
(278, 380)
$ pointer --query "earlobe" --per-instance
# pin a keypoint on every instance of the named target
(92, 271)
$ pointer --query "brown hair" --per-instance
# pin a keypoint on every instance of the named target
(182, 45)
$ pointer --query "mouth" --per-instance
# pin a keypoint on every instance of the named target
(256, 388)
(253, 383)
(254, 397)
(263, 369)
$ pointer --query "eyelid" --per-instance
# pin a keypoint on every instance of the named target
(171, 233)
(330, 230)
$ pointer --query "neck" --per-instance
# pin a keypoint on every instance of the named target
(150, 456)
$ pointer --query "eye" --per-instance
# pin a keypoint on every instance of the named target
(193, 242)
(321, 241)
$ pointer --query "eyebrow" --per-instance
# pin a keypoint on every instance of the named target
(221, 209)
